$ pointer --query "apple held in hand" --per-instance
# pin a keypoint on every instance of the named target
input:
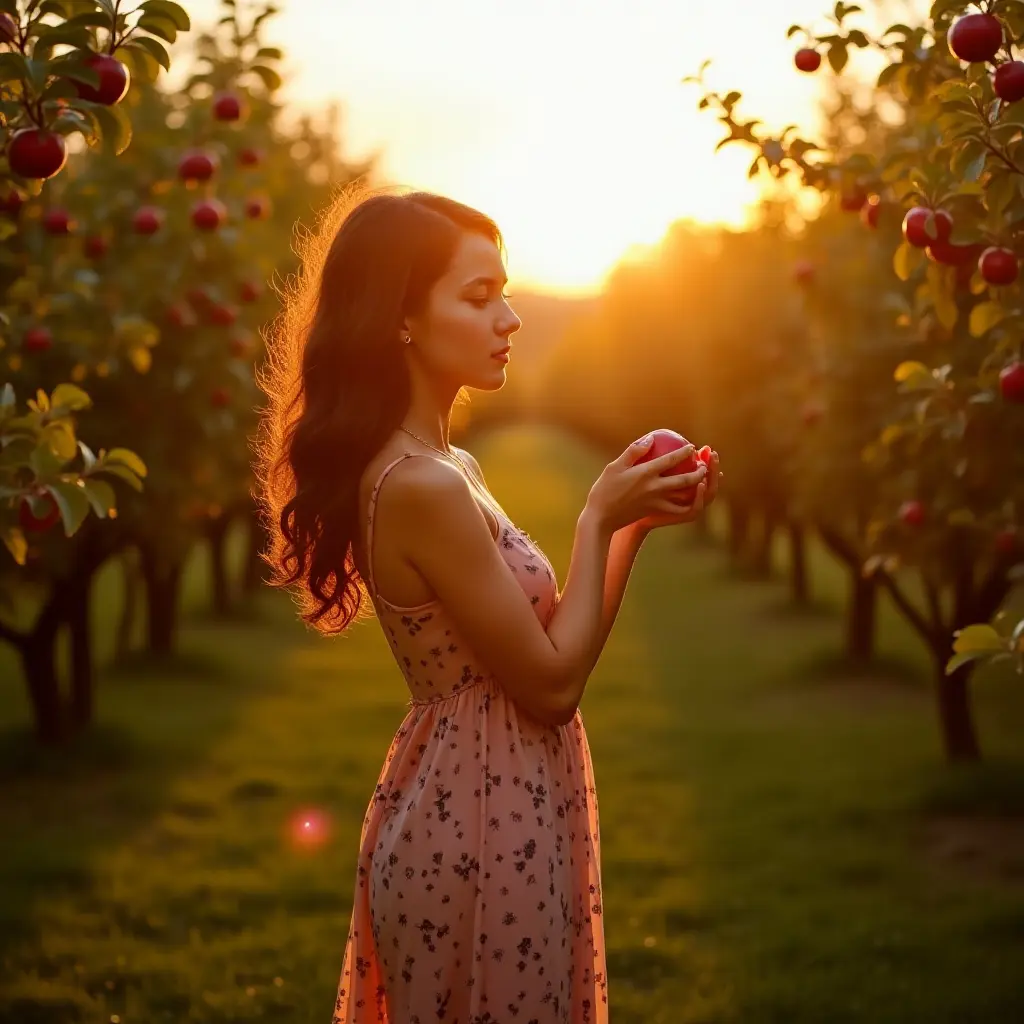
(665, 441)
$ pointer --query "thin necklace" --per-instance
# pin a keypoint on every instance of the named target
(452, 455)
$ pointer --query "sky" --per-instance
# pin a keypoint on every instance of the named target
(564, 120)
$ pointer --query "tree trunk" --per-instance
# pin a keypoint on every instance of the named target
(739, 529)
(958, 733)
(163, 586)
(78, 620)
(860, 619)
(761, 560)
(132, 595)
(252, 573)
(798, 563)
(39, 663)
(216, 533)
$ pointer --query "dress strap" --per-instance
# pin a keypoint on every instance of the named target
(369, 516)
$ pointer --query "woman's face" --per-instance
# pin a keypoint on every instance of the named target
(467, 319)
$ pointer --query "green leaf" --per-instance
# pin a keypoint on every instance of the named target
(978, 637)
(837, 56)
(910, 369)
(116, 469)
(154, 49)
(115, 128)
(73, 503)
(13, 67)
(1000, 192)
(71, 397)
(270, 52)
(125, 457)
(904, 260)
(101, 496)
(271, 79)
(165, 9)
(792, 31)
(972, 172)
(964, 658)
(984, 317)
(14, 541)
(157, 26)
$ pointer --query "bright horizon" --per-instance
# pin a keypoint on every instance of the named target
(566, 122)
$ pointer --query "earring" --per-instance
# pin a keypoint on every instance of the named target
(407, 340)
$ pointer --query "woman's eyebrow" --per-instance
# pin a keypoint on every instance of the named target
(485, 280)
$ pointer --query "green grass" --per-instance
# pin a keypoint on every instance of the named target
(781, 840)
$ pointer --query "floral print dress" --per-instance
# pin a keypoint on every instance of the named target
(478, 884)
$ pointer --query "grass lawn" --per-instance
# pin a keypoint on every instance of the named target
(781, 841)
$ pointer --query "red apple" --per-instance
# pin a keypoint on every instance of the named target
(147, 220)
(870, 211)
(998, 265)
(914, 226)
(179, 315)
(249, 291)
(198, 296)
(945, 252)
(222, 315)
(30, 522)
(250, 156)
(812, 413)
(37, 339)
(803, 271)
(853, 200)
(975, 37)
(227, 106)
(8, 29)
(58, 221)
(220, 397)
(1008, 81)
(114, 80)
(11, 203)
(95, 247)
(209, 214)
(912, 513)
(36, 153)
(257, 207)
(1006, 540)
(807, 60)
(198, 165)
(1011, 383)
(666, 441)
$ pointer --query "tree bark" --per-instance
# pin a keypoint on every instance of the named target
(959, 738)
(129, 609)
(860, 619)
(39, 663)
(799, 588)
(216, 534)
(79, 625)
(163, 587)
(253, 570)
(739, 529)
(761, 559)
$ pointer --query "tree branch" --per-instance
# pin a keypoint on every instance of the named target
(913, 616)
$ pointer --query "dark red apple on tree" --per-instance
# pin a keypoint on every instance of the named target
(198, 296)
(807, 60)
(1011, 383)
(114, 79)
(179, 315)
(250, 156)
(147, 220)
(220, 397)
(227, 106)
(96, 247)
(11, 203)
(945, 252)
(998, 265)
(1006, 540)
(1008, 81)
(58, 221)
(249, 291)
(912, 512)
(915, 231)
(36, 153)
(198, 165)
(222, 314)
(8, 29)
(666, 441)
(257, 207)
(975, 37)
(209, 214)
(870, 211)
(853, 199)
(37, 339)
(812, 413)
(803, 271)
(240, 344)
(30, 522)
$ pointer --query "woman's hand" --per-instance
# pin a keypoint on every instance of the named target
(707, 491)
(626, 493)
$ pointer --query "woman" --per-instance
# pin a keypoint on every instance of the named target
(478, 888)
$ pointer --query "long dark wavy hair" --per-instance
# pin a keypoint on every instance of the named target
(336, 380)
